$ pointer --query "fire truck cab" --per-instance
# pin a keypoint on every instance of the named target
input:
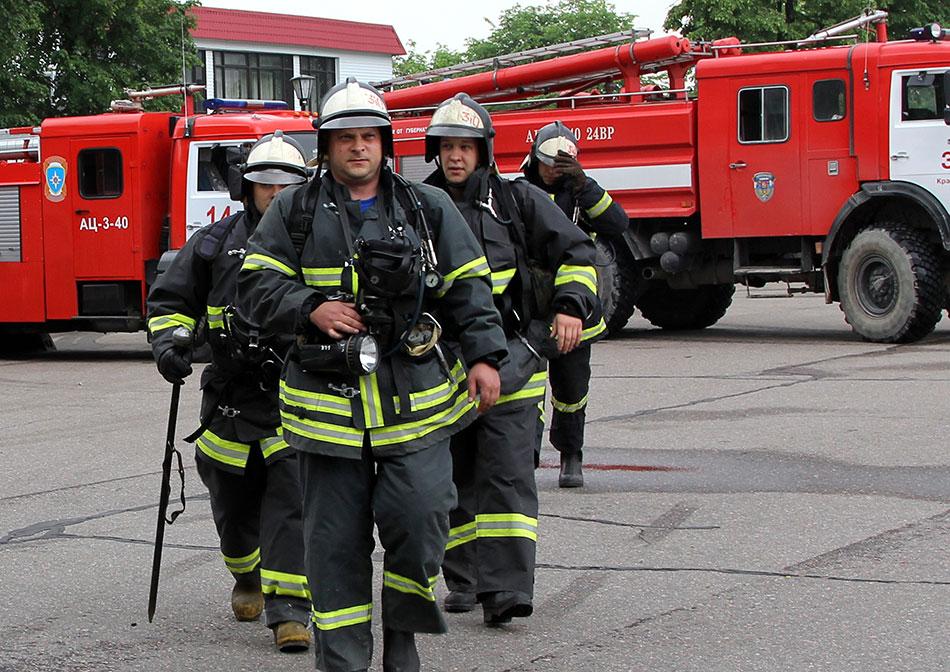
(88, 206)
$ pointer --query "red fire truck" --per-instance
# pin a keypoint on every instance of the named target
(823, 166)
(88, 205)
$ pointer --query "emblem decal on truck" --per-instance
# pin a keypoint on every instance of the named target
(54, 178)
(764, 185)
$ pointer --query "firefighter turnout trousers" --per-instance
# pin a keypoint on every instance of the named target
(409, 496)
(258, 517)
(570, 382)
(494, 528)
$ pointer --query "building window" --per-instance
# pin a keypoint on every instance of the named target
(828, 100)
(323, 70)
(763, 114)
(100, 173)
(922, 97)
(252, 75)
(197, 74)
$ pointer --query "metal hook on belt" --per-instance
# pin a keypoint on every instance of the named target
(344, 390)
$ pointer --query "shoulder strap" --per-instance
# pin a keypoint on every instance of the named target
(300, 221)
(215, 235)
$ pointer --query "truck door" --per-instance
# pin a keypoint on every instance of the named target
(103, 217)
(919, 139)
(208, 199)
(764, 163)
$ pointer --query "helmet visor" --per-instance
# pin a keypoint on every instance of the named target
(274, 176)
(354, 121)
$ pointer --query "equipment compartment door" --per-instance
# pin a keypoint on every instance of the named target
(103, 220)
(765, 163)
(919, 150)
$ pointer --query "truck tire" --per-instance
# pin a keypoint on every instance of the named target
(618, 284)
(680, 309)
(891, 285)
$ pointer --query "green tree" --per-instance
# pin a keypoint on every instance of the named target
(66, 57)
(519, 28)
(757, 21)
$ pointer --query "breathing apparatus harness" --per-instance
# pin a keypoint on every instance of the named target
(379, 276)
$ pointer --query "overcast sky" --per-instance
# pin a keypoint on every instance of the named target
(424, 23)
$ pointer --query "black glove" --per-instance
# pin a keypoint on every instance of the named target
(175, 365)
(569, 169)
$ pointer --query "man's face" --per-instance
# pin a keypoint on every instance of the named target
(549, 174)
(355, 155)
(264, 194)
(459, 159)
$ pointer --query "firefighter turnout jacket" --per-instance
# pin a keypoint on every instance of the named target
(202, 281)
(408, 403)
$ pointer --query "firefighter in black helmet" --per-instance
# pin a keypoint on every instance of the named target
(544, 286)
(250, 471)
(552, 165)
(362, 254)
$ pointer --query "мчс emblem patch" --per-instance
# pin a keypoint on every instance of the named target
(764, 185)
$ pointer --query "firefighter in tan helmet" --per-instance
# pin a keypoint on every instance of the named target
(369, 270)
(242, 457)
(552, 165)
(544, 286)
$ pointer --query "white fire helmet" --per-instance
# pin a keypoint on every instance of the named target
(276, 159)
(353, 104)
(460, 117)
(551, 139)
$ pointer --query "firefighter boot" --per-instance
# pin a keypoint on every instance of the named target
(291, 637)
(571, 475)
(247, 600)
(399, 651)
(499, 608)
(459, 602)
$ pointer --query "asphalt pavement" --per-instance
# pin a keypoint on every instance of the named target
(771, 493)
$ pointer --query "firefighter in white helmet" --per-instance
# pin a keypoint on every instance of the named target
(544, 286)
(250, 471)
(552, 165)
(368, 270)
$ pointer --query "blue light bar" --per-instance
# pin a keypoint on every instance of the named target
(238, 104)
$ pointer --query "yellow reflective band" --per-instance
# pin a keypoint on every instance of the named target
(533, 388)
(260, 262)
(160, 322)
(596, 330)
(273, 444)
(410, 587)
(331, 620)
(494, 525)
(245, 563)
(461, 535)
(216, 317)
(541, 411)
(585, 275)
(222, 450)
(322, 277)
(476, 268)
(386, 436)
(568, 408)
(600, 206)
(372, 402)
(314, 401)
(322, 431)
(433, 396)
(500, 280)
(552, 196)
(281, 583)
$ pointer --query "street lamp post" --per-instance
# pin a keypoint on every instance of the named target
(303, 87)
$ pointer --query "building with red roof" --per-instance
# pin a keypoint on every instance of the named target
(254, 54)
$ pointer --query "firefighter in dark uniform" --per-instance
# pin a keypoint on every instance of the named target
(250, 471)
(366, 270)
(552, 165)
(544, 285)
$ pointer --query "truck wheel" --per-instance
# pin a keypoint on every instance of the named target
(19, 345)
(618, 284)
(676, 309)
(890, 284)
